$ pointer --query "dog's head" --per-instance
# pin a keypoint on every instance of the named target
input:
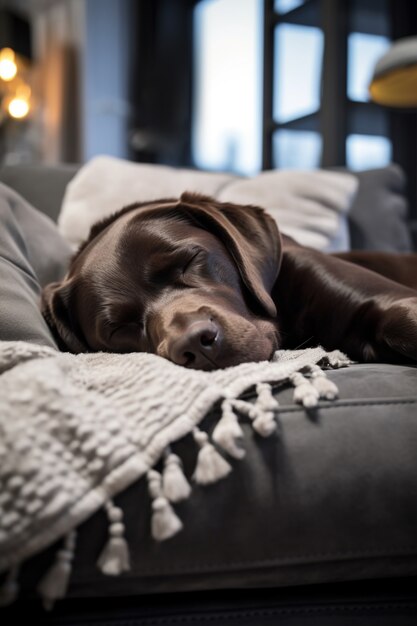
(188, 279)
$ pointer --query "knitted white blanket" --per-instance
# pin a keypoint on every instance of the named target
(75, 430)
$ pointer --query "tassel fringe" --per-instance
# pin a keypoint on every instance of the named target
(264, 424)
(326, 388)
(174, 484)
(266, 400)
(228, 433)
(54, 584)
(304, 393)
(263, 421)
(211, 466)
(10, 588)
(114, 559)
(165, 523)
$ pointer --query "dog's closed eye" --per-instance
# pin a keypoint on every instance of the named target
(190, 262)
(118, 330)
(171, 268)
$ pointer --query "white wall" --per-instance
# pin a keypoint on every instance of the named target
(81, 49)
(105, 78)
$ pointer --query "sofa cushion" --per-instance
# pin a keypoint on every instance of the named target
(106, 184)
(32, 254)
(377, 219)
(332, 497)
(309, 206)
(378, 216)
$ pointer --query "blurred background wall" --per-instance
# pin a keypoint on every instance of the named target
(80, 61)
(235, 85)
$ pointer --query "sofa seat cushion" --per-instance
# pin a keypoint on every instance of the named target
(332, 497)
(365, 603)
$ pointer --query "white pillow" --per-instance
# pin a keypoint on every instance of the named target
(309, 206)
(106, 184)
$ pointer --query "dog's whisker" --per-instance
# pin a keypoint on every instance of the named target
(304, 342)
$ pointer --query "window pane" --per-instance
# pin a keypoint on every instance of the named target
(283, 6)
(297, 63)
(363, 53)
(366, 151)
(296, 149)
(228, 85)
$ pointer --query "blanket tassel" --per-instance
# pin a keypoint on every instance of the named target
(10, 587)
(228, 433)
(263, 422)
(266, 400)
(326, 388)
(114, 559)
(54, 584)
(267, 406)
(304, 393)
(211, 466)
(175, 486)
(165, 523)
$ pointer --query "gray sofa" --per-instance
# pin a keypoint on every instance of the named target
(316, 526)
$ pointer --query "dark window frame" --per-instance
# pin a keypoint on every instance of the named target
(338, 116)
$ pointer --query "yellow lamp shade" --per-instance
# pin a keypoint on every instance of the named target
(395, 76)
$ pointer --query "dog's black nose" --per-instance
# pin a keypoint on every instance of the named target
(197, 347)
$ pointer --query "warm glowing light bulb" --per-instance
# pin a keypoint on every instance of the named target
(18, 108)
(8, 67)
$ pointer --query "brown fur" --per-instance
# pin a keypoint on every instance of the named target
(208, 285)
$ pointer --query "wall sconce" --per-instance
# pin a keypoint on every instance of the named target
(8, 67)
(15, 92)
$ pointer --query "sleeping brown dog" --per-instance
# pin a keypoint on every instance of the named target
(208, 285)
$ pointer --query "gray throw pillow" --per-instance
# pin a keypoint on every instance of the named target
(378, 216)
(32, 254)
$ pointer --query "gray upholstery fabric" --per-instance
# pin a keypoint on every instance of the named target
(32, 254)
(42, 186)
(378, 216)
(390, 602)
(332, 497)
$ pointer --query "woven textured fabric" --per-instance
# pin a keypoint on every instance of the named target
(75, 430)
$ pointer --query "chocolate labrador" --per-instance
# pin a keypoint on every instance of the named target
(209, 285)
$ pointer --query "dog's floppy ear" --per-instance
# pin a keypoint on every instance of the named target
(250, 235)
(55, 309)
